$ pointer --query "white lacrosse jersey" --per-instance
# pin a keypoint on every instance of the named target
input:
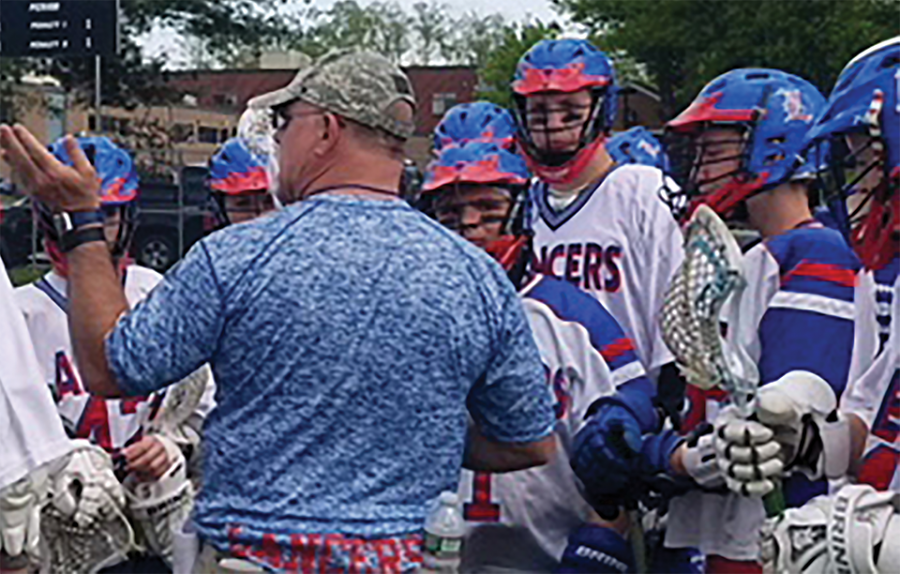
(619, 242)
(520, 521)
(30, 430)
(795, 314)
(112, 424)
(875, 398)
(873, 320)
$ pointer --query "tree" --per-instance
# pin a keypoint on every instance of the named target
(473, 38)
(685, 43)
(380, 27)
(500, 66)
(430, 23)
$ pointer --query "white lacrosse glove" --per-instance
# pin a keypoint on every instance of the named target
(801, 409)
(854, 531)
(699, 457)
(160, 507)
(747, 454)
(85, 487)
(20, 511)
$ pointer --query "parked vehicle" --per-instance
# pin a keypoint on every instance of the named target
(164, 234)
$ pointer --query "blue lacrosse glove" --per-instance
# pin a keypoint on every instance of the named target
(595, 549)
(606, 451)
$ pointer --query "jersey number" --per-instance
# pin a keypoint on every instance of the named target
(481, 509)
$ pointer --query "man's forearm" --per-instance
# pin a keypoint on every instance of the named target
(96, 300)
(486, 455)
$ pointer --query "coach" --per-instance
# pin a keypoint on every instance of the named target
(361, 351)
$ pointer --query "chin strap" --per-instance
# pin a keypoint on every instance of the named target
(512, 252)
(570, 170)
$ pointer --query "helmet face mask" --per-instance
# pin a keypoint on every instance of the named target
(555, 126)
(861, 125)
(565, 98)
(710, 165)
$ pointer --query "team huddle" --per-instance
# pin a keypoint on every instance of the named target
(650, 472)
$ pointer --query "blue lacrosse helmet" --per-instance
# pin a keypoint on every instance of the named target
(864, 102)
(639, 146)
(114, 166)
(234, 169)
(565, 66)
(475, 122)
(772, 111)
(118, 193)
(485, 163)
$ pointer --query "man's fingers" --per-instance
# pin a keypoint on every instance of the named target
(79, 159)
(132, 452)
(16, 156)
(152, 451)
(38, 153)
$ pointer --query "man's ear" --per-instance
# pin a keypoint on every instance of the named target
(330, 134)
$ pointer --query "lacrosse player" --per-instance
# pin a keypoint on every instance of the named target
(152, 465)
(855, 529)
(239, 181)
(743, 137)
(476, 188)
(597, 225)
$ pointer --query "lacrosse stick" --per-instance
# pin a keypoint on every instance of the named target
(709, 276)
(180, 401)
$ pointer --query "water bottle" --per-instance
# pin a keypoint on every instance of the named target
(444, 531)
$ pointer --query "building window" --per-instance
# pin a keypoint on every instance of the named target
(208, 135)
(441, 102)
(223, 134)
(182, 133)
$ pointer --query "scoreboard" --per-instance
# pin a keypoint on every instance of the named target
(52, 28)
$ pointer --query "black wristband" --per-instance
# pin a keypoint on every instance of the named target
(72, 239)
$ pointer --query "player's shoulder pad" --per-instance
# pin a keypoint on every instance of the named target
(817, 260)
(817, 243)
(570, 304)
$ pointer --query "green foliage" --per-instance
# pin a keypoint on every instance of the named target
(500, 66)
(683, 44)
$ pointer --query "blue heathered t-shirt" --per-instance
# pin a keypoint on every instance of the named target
(349, 339)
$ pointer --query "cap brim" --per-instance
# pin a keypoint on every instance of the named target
(272, 99)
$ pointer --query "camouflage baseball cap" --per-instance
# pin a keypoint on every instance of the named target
(360, 86)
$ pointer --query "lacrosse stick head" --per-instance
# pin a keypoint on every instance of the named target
(709, 277)
(68, 546)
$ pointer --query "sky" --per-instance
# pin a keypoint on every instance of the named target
(167, 41)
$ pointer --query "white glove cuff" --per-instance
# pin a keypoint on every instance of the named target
(700, 461)
(835, 459)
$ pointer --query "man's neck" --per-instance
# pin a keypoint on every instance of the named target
(779, 210)
(369, 177)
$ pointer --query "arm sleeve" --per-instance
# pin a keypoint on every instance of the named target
(865, 326)
(664, 252)
(31, 431)
(172, 332)
(512, 401)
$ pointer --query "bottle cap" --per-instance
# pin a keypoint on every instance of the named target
(448, 498)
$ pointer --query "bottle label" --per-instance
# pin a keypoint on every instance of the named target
(442, 547)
